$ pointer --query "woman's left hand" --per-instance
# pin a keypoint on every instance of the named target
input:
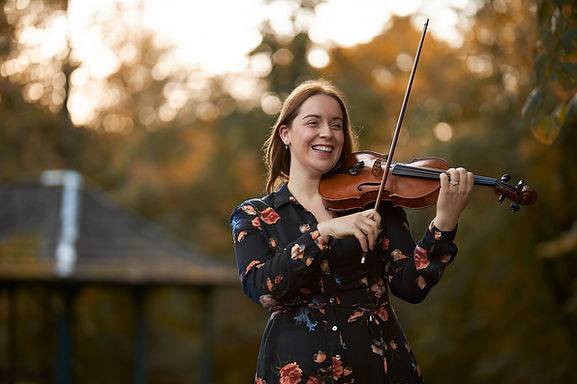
(455, 193)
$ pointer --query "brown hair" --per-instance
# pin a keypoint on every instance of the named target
(277, 158)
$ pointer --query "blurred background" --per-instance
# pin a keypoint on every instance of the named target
(120, 268)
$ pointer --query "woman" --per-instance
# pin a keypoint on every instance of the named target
(330, 316)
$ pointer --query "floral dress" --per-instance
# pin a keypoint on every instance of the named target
(330, 318)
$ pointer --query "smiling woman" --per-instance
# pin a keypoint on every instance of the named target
(330, 319)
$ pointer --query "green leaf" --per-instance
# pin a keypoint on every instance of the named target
(570, 116)
(533, 104)
(545, 129)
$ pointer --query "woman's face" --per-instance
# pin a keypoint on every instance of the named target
(315, 136)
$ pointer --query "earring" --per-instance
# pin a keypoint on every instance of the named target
(286, 146)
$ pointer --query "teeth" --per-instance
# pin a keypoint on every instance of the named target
(323, 148)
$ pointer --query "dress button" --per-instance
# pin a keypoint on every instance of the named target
(334, 328)
(338, 357)
(332, 300)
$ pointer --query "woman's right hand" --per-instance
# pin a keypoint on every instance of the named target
(364, 225)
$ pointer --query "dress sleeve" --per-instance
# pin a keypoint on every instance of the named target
(413, 269)
(268, 273)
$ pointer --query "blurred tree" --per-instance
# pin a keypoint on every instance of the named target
(167, 143)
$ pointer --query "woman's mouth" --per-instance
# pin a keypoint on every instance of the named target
(323, 148)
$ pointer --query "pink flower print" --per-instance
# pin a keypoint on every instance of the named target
(316, 236)
(313, 380)
(297, 251)
(356, 314)
(382, 313)
(272, 242)
(319, 357)
(337, 367)
(398, 255)
(291, 373)
(258, 380)
(378, 289)
(251, 265)
(256, 222)
(421, 282)
(278, 278)
(267, 301)
(304, 227)
(446, 258)
(385, 244)
(438, 235)
(325, 266)
(269, 216)
(241, 236)
(377, 350)
(269, 284)
(420, 257)
(249, 209)
(347, 371)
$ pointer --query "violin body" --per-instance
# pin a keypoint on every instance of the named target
(356, 184)
(416, 184)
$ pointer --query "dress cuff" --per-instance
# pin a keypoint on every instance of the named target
(433, 234)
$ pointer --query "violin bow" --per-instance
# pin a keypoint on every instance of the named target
(399, 123)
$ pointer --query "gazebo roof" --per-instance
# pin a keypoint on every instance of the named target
(111, 246)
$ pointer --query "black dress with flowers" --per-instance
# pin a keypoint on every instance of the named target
(330, 319)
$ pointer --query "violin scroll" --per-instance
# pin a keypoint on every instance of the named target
(520, 194)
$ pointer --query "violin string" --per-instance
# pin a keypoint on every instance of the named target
(433, 173)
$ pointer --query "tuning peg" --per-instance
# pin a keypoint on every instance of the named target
(519, 185)
(514, 207)
(501, 199)
(505, 178)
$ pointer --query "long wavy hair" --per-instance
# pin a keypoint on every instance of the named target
(277, 157)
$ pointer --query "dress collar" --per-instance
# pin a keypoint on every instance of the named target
(283, 196)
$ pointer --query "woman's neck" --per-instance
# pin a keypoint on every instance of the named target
(304, 188)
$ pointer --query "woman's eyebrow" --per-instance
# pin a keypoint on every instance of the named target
(318, 117)
(311, 115)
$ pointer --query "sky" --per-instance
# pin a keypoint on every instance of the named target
(207, 38)
(217, 35)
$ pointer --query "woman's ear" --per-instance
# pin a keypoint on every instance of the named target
(283, 132)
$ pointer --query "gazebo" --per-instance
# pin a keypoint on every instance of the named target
(67, 237)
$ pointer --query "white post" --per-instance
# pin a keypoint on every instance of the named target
(71, 182)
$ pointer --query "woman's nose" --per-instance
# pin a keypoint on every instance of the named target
(325, 130)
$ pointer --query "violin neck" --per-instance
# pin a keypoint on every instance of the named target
(434, 174)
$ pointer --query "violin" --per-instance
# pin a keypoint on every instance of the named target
(362, 179)
(415, 184)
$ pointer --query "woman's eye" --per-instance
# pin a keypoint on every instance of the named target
(337, 126)
(312, 122)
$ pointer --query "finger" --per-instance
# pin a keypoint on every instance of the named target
(462, 180)
(444, 181)
(470, 180)
(453, 176)
(377, 218)
(372, 227)
(370, 232)
(369, 213)
(372, 217)
(362, 239)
